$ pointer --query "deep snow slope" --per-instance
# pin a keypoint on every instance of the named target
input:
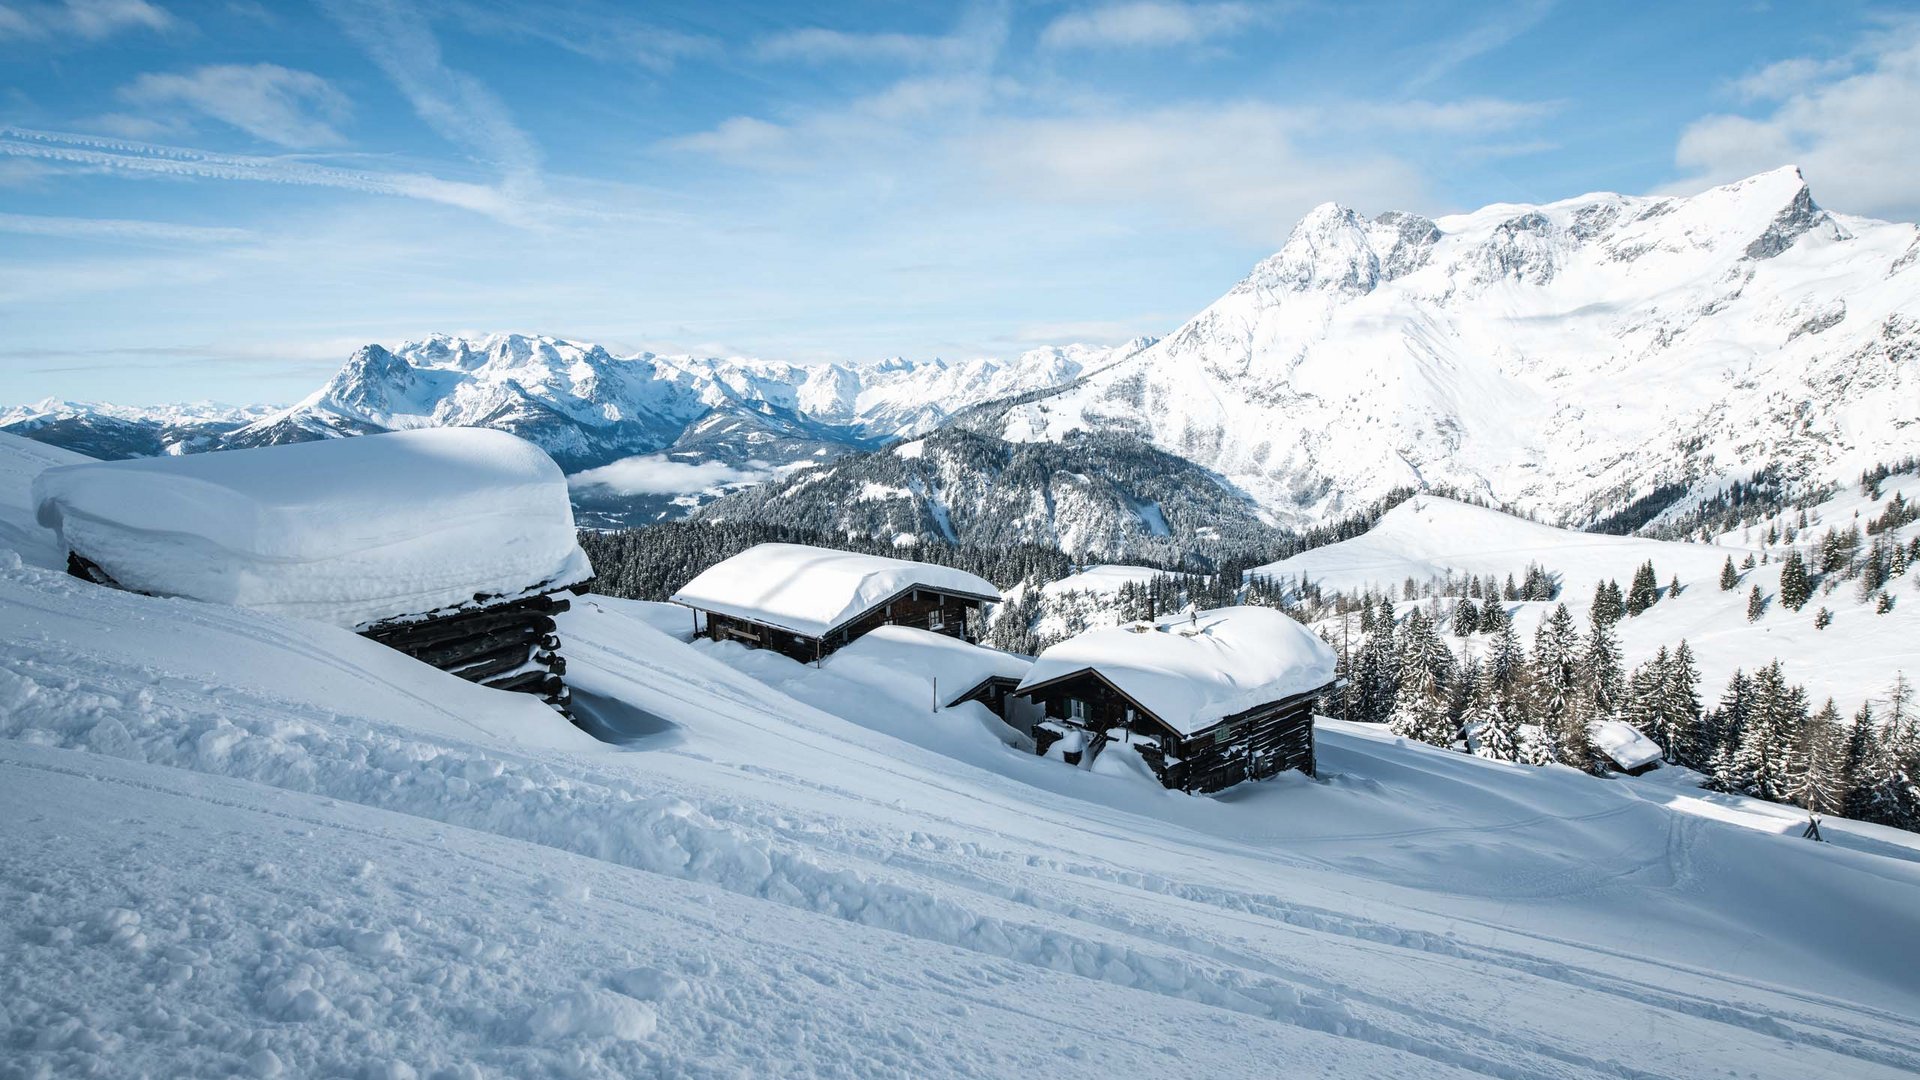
(1563, 358)
(246, 843)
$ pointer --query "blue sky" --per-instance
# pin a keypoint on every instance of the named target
(221, 200)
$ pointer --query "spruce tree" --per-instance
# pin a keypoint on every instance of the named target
(1560, 708)
(1823, 783)
(1756, 604)
(1644, 689)
(1763, 764)
(1466, 618)
(1673, 587)
(1729, 577)
(1421, 707)
(1603, 683)
(1795, 586)
(1644, 591)
(1822, 619)
(1680, 721)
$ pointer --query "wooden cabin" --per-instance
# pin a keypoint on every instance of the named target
(1625, 747)
(807, 602)
(1207, 700)
(455, 546)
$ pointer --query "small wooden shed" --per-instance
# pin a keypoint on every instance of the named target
(1207, 700)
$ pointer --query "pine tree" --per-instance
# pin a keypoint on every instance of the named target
(1603, 684)
(1466, 618)
(1494, 618)
(1763, 758)
(1884, 604)
(1673, 587)
(1890, 776)
(1823, 784)
(1795, 586)
(1607, 604)
(1756, 604)
(1680, 721)
(1645, 590)
(1822, 619)
(1644, 689)
(1561, 709)
(1729, 577)
(1421, 707)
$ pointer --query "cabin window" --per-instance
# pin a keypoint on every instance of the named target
(937, 620)
(1077, 709)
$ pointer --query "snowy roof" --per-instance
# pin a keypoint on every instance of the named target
(1623, 743)
(908, 651)
(812, 591)
(1191, 674)
(348, 531)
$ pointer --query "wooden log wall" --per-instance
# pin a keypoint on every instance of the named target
(507, 646)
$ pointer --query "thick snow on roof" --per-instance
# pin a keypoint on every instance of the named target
(346, 531)
(1192, 673)
(1624, 744)
(910, 652)
(22, 459)
(811, 591)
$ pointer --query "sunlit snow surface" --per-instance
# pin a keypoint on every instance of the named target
(239, 843)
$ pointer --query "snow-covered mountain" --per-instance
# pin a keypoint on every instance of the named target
(1105, 495)
(122, 431)
(585, 405)
(1564, 358)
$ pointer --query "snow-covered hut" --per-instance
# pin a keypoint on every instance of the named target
(1208, 699)
(1630, 751)
(940, 670)
(448, 544)
(808, 601)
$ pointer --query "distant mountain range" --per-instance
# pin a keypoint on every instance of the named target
(1569, 359)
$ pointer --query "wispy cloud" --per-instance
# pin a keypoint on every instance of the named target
(1146, 24)
(1447, 55)
(281, 105)
(816, 45)
(120, 230)
(657, 474)
(399, 40)
(81, 20)
(1846, 120)
(150, 159)
(604, 32)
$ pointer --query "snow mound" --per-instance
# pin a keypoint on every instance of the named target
(812, 591)
(1430, 537)
(22, 459)
(347, 531)
(1195, 672)
(908, 654)
(1103, 580)
(1623, 744)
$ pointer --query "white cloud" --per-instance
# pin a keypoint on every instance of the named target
(657, 474)
(452, 103)
(85, 20)
(118, 229)
(104, 154)
(1446, 55)
(815, 45)
(267, 101)
(1146, 24)
(1850, 124)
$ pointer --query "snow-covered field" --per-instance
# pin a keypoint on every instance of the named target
(240, 843)
(1852, 660)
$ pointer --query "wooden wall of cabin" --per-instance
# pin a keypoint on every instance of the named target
(1263, 743)
(1106, 708)
(915, 611)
